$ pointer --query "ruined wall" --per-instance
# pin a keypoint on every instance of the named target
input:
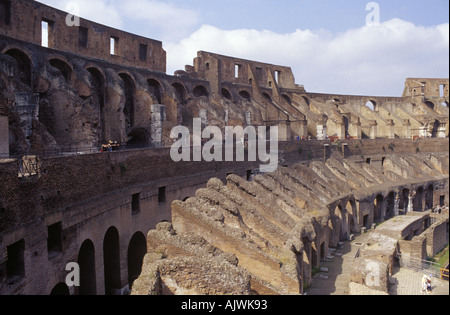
(88, 39)
(280, 225)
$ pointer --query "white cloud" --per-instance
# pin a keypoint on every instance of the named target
(173, 22)
(373, 60)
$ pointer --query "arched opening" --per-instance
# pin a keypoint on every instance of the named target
(180, 96)
(155, 90)
(60, 289)
(136, 252)
(378, 208)
(390, 208)
(287, 99)
(139, 138)
(63, 67)
(245, 95)
(128, 109)
(343, 224)
(226, 94)
(346, 127)
(418, 200)
(445, 104)
(267, 97)
(372, 105)
(429, 197)
(97, 82)
(200, 91)
(111, 260)
(86, 261)
(23, 70)
(430, 105)
(435, 130)
(306, 101)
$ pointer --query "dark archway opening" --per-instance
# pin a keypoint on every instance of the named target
(136, 252)
(86, 261)
(111, 259)
(60, 289)
(23, 70)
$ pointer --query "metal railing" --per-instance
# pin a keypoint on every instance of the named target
(420, 265)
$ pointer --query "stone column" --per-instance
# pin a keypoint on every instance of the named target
(4, 136)
(390, 126)
(248, 118)
(407, 126)
(442, 130)
(158, 118)
(321, 132)
(411, 201)
(373, 129)
(203, 114)
(396, 205)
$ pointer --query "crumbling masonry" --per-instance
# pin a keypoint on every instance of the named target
(66, 90)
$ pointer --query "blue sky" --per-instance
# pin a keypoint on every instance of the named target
(326, 43)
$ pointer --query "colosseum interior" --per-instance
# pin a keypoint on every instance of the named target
(137, 222)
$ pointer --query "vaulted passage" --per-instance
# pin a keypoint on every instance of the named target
(128, 110)
(111, 258)
(86, 261)
(136, 252)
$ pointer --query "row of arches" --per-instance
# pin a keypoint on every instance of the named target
(112, 270)
(347, 218)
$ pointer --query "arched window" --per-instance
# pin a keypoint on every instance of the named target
(155, 89)
(63, 67)
(245, 95)
(372, 105)
(128, 110)
(200, 91)
(23, 65)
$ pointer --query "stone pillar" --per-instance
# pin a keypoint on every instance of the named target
(203, 114)
(396, 205)
(411, 202)
(373, 129)
(390, 126)
(321, 132)
(355, 128)
(407, 126)
(4, 136)
(441, 131)
(227, 117)
(248, 118)
(158, 118)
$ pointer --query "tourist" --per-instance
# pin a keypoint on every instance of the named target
(424, 286)
(429, 289)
